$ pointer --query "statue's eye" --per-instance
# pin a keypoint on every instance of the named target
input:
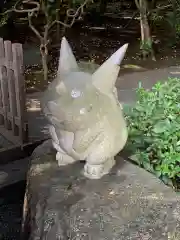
(85, 110)
(89, 108)
(82, 111)
(75, 93)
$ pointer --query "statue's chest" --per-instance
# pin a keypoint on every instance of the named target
(84, 139)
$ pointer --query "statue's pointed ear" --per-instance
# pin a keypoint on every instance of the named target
(106, 75)
(67, 61)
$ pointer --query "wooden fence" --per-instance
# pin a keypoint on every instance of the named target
(13, 122)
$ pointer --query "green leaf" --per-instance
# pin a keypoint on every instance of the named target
(161, 126)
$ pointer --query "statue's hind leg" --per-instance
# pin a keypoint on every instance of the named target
(96, 171)
(99, 162)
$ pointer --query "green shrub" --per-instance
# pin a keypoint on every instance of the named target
(154, 130)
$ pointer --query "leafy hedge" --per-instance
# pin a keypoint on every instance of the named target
(154, 130)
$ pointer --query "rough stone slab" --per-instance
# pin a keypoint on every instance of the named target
(13, 172)
(129, 203)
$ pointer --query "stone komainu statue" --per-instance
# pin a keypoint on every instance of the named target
(86, 120)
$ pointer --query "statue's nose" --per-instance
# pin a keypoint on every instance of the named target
(55, 111)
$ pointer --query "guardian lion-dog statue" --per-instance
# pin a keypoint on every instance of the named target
(85, 116)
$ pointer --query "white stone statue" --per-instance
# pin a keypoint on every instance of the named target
(86, 120)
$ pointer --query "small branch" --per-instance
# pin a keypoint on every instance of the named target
(44, 10)
(12, 9)
(64, 28)
(30, 15)
(132, 18)
(159, 9)
(31, 12)
(60, 22)
(137, 4)
(15, 8)
(71, 13)
(35, 9)
(80, 9)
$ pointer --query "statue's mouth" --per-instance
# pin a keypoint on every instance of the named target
(54, 120)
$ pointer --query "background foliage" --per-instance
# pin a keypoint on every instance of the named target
(154, 130)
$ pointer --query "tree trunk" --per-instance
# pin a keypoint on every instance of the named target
(146, 39)
(103, 6)
(44, 57)
(45, 67)
(58, 35)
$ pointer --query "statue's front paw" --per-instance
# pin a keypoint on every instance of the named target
(64, 159)
(97, 171)
(93, 171)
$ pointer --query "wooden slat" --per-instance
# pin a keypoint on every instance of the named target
(4, 92)
(1, 94)
(19, 88)
(9, 64)
(12, 90)
(11, 86)
(1, 112)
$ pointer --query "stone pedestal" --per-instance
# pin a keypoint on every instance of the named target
(128, 203)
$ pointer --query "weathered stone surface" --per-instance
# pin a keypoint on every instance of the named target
(129, 203)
